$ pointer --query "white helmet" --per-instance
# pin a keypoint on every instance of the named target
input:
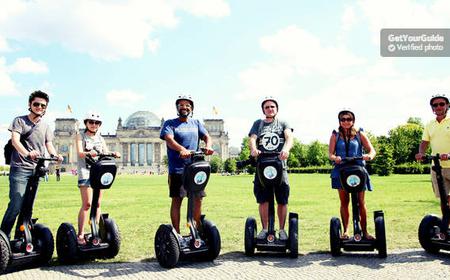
(92, 115)
(185, 97)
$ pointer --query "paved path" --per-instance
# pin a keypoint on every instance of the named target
(404, 264)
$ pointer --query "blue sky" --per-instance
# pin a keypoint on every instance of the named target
(315, 57)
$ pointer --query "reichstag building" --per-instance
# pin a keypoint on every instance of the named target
(137, 140)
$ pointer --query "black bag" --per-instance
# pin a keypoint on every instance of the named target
(7, 151)
(9, 148)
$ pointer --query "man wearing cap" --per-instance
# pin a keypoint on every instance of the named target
(437, 134)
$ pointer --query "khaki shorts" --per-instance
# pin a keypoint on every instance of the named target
(446, 175)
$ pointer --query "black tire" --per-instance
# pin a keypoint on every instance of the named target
(335, 237)
(66, 244)
(212, 240)
(293, 238)
(380, 235)
(112, 238)
(44, 243)
(426, 232)
(5, 253)
(250, 236)
(167, 250)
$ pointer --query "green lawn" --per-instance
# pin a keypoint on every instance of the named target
(139, 204)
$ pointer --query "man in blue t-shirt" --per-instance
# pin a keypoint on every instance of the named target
(182, 135)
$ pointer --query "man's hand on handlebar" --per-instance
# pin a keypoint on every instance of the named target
(284, 155)
(116, 154)
(208, 151)
(255, 153)
(185, 153)
(419, 156)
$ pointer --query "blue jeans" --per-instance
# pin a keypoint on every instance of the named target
(18, 179)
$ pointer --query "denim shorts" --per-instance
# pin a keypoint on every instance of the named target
(84, 182)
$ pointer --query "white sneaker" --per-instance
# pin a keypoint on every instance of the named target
(262, 234)
(283, 235)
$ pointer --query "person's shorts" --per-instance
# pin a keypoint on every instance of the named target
(176, 188)
(281, 192)
(84, 182)
(446, 175)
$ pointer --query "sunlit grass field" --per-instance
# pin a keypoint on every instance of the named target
(139, 204)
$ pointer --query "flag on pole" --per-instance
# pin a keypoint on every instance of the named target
(215, 111)
(69, 109)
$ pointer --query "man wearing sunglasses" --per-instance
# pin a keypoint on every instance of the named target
(31, 137)
(271, 135)
(437, 134)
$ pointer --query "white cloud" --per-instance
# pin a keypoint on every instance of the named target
(404, 14)
(7, 85)
(152, 45)
(123, 98)
(307, 53)
(28, 65)
(103, 29)
(210, 8)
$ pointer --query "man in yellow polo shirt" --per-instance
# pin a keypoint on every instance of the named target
(437, 133)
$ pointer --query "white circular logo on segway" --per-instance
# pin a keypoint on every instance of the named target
(270, 172)
(106, 179)
(270, 141)
(353, 180)
(200, 177)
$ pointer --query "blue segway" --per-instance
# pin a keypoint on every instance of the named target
(33, 243)
(353, 180)
(269, 171)
(104, 239)
(203, 244)
(434, 233)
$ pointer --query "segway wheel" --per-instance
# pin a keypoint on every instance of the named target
(293, 238)
(112, 238)
(212, 240)
(250, 236)
(335, 237)
(426, 232)
(380, 235)
(4, 253)
(43, 242)
(66, 244)
(167, 250)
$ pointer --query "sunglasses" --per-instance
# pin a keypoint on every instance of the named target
(346, 119)
(37, 104)
(94, 122)
(435, 105)
(269, 107)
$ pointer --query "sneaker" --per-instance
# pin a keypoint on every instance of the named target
(283, 235)
(262, 234)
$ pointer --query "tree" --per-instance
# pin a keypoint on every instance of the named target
(383, 164)
(245, 154)
(297, 155)
(317, 154)
(405, 140)
(216, 164)
(230, 165)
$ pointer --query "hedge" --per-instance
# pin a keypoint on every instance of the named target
(406, 168)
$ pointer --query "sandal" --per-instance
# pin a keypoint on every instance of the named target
(81, 240)
(345, 236)
(368, 236)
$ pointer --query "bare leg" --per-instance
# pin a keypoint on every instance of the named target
(264, 214)
(282, 213)
(175, 212)
(198, 211)
(363, 214)
(344, 199)
(86, 197)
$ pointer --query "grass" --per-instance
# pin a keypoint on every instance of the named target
(139, 204)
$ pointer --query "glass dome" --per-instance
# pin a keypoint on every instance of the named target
(142, 119)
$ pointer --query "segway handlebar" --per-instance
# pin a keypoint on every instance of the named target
(252, 160)
(114, 155)
(51, 158)
(351, 159)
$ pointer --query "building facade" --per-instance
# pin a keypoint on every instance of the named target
(137, 140)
